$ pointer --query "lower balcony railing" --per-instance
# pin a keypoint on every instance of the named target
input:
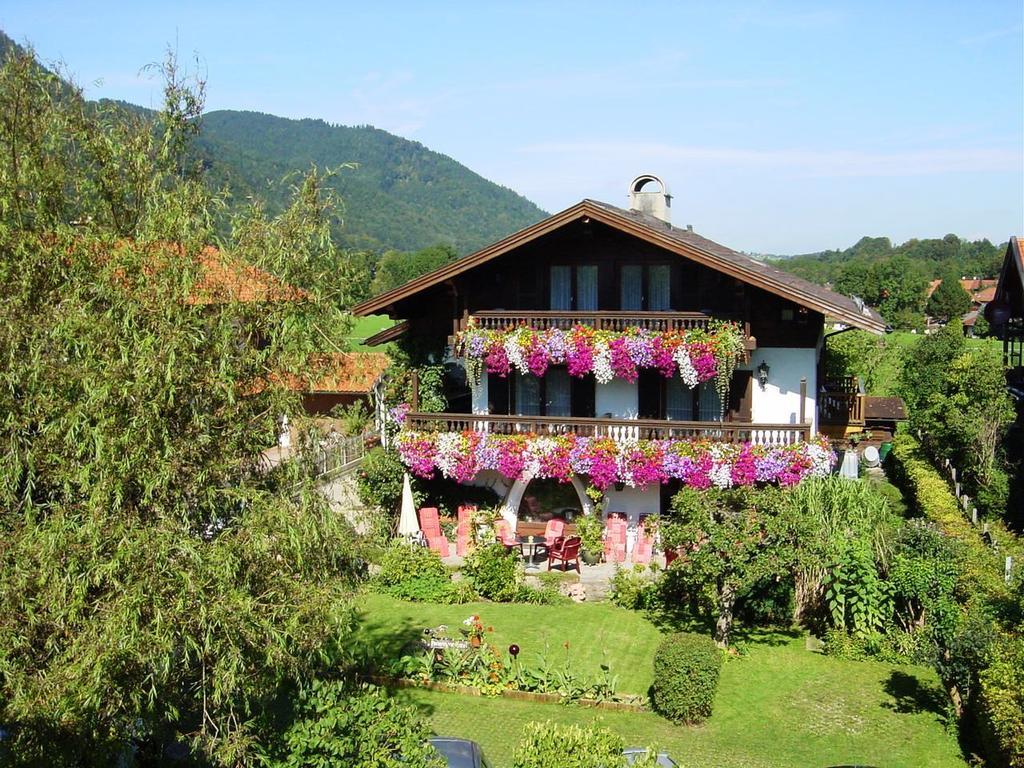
(620, 429)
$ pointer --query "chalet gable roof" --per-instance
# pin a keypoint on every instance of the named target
(1011, 277)
(683, 242)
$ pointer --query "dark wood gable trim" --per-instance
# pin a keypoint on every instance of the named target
(386, 301)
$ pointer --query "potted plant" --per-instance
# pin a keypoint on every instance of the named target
(590, 529)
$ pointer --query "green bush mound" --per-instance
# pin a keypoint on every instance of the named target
(686, 671)
(417, 574)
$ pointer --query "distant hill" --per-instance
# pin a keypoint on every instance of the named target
(400, 195)
(932, 257)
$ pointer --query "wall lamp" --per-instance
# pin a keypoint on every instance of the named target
(762, 374)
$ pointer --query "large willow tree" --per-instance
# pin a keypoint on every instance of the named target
(158, 586)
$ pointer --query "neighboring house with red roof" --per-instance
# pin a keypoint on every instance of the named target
(981, 290)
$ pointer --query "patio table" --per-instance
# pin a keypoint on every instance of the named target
(529, 546)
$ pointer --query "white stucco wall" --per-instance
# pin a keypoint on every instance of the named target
(779, 401)
(479, 395)
(634, 501)
(617, 397)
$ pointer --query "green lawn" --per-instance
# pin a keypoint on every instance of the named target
(589, 629)
(779, 705)
(364, 327)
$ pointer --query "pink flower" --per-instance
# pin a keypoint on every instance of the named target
(497, 360)
(622, 364)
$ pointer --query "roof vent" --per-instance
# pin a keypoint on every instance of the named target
(649, 194)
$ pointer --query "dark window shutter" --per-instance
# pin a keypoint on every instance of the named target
(499, 395)
(740, 395)
(584, 397)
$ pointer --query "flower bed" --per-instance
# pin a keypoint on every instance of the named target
(698, 463)
(696, 355)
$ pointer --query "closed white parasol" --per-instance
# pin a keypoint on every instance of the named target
(408, 526)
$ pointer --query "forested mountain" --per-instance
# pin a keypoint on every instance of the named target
(399, 194)
(895, 278)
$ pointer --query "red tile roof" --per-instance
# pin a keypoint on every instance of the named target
(344, 373)
(226, 278)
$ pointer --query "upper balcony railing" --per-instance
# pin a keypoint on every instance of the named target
(606, 321)
(619, 429)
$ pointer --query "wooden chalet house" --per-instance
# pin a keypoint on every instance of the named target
(1005, 314)
(615, 269)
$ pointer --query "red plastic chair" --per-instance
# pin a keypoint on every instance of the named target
(431, 527)
(644, 547)
(505, 535)
(615, 539)
(565, 551)
(463, 531)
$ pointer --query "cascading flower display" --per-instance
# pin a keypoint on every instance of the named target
(636, 463)
(696, 354)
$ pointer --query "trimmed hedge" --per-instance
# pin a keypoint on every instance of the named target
(1000, 701)
(1001, 705)
(686, 670)
(982, 569)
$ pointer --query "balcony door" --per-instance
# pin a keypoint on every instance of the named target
(573, 288)
(554, 394)
(661, 398)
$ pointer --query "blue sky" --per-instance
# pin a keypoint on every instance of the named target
(780, 127)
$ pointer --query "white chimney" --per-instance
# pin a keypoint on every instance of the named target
(649, 194)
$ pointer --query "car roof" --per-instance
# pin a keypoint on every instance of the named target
(460, 753)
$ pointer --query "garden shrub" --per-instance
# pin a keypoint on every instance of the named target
(361, 727)
(416, 573)
(494, 572)
(542, 595)
(1001, 705)
(686, 670)
(769, 602)
(633, 589)
(379, 487)
(550, 745)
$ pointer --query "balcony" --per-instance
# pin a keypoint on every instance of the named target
(841, 403)
(657, 322)
(619, 429)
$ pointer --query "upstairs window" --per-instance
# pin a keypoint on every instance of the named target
(574, 288)
(645, 288)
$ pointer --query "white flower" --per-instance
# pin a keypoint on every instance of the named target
(603, 363)
(821, 460)
(449, 444)
(686, 370)
(721, 475)
(514, 350)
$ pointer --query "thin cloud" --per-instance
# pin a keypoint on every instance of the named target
(849, 163)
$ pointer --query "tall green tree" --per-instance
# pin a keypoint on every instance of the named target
(733, 539)
(396, 268)
(159, 585)
(949, 299)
